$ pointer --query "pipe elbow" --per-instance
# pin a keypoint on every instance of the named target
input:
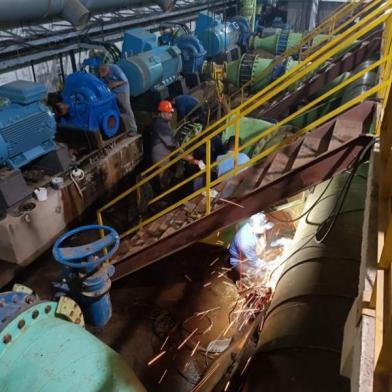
(76, 13)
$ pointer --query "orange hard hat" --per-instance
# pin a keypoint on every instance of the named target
(165, 106)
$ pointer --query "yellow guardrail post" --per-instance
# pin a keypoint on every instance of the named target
(237, 140)
(369, 22)
(208, 176)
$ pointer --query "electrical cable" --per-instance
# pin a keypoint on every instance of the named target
(342, 196)
(356, 163)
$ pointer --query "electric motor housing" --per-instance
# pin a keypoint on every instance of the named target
(153, 69)
(216, 36)
(27, 127)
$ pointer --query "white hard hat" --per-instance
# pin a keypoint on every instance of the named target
(259, 223)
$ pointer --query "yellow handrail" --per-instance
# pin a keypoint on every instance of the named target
(324, 27)
(275, 84)
(339, 43)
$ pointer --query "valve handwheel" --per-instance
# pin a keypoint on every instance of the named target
(89, 255)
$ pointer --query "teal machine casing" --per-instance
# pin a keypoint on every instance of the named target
(40, 351)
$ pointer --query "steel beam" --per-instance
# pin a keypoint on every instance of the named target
(17, 52)
(318, 170)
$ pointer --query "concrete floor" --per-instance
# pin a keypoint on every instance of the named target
(157, 302)
(162, 301)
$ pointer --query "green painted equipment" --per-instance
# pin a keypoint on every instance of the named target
(41, 351)
(252, 67)
(248, 9)
(364, 83)
(279, 42)
(249, 127)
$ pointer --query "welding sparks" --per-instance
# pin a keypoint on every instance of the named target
(204, 312)
(214, 261)
(188, 278)
(207, 284)
(156, 358)
(186, 339)
(231, 202)
(195, 349)
(162, 377)
(207, 376)
(246, 366)
(228, 327)
(164, 343)
(208, 329)
(226, 386)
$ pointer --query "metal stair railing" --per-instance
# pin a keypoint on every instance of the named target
(325, 47)
(375, 19)
(329, 26)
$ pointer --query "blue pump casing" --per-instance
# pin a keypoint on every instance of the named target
(85, 273)
(192, 53)
(154, 69)
(244, 29)
(137, 41)
(27, 127)
(216, 37)
(92, 107)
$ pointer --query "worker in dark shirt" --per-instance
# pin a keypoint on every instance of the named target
(185, 104)
(163, 142)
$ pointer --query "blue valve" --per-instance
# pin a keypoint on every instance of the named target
(86, 273)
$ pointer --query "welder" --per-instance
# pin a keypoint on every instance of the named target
(247, 248)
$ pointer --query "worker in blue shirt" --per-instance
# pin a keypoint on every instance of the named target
(185, 104)
(248, 246)
(115, 79)
(226, 162)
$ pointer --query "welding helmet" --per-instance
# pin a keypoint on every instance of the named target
(166, 107)
(259, 223)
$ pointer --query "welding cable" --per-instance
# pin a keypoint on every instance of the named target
(325, 228)
(307, 211)
(355, 166)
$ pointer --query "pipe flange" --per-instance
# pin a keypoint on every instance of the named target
(25, 320)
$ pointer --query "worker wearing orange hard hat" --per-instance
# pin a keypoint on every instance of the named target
(163, 142)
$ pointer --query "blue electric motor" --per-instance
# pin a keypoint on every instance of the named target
(154, 69)
(192, 53)
(137, 41)
(27, 127)
(86, 275)
(216, 37)
(92, 107)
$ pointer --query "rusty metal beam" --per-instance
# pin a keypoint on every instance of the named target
(320, 169)
(345, 64)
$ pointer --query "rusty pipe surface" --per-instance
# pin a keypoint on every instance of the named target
(301, 339)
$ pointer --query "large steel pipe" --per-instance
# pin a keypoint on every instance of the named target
(77, 12)
(301, 340)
